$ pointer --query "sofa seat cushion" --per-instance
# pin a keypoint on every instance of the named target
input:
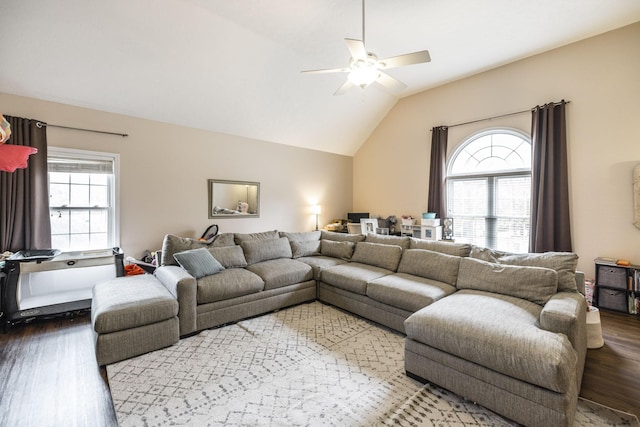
(129, 302)
(498, 332)
(319, 263)
(229, 283)
(352, 277)
(277, 273)
(406, 291)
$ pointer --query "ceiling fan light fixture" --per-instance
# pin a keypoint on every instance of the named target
(363, 73)
(365, 68)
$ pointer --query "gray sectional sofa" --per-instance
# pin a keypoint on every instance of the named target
(505, 330)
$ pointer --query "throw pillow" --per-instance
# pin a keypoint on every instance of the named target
(342, 250)
(198, 262)
(535, 284)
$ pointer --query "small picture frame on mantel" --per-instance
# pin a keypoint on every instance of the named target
(368, 225)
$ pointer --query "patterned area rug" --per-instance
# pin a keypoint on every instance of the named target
(309, 365)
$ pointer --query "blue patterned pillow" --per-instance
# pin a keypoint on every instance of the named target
(198, 262)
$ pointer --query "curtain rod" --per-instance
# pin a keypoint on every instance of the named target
(43, 124)
(500, 116)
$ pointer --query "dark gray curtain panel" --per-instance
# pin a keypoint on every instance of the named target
(437, 191)
(24, 194)
(550, 222)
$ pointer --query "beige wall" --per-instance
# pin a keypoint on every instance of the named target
(601, 78)
(164, 170)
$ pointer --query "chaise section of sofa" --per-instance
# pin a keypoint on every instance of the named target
(512, 338)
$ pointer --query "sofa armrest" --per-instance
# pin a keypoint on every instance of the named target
(182, 286)
(566, 313)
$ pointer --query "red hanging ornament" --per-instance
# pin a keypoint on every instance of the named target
(12, 157)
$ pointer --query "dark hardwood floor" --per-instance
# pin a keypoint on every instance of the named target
(612, 373)
(49, 376)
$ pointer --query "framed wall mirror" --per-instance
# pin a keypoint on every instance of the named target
(233, 199)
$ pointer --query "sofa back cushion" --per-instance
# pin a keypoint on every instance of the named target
(304, 236)
(449, 248)
(265, 249)
(564, 263)
(402, 241)
(229, 256)
(264, 235)
(535, 284)
(335, 249)
(305, 248)
(341, 237)
(172, 244)
(303, 243)
(378, 255)
(198, 262)
(431, 265)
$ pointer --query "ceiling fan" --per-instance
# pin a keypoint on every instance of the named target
(365, 67)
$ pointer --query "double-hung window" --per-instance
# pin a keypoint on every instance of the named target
(489, 190)
(83, 199)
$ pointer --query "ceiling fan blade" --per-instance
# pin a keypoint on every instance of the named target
(406, 59)
(327, 70)
(390, 83)
(345, 87)
(356, 48)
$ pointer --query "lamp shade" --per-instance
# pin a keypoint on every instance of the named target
(316, 209)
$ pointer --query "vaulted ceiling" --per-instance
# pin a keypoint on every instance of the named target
(234, 66)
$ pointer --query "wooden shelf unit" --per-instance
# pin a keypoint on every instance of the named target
(617, 287)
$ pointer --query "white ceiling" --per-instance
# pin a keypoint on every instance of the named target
(234, 66)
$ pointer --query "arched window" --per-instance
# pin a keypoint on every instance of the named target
(489, 190)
